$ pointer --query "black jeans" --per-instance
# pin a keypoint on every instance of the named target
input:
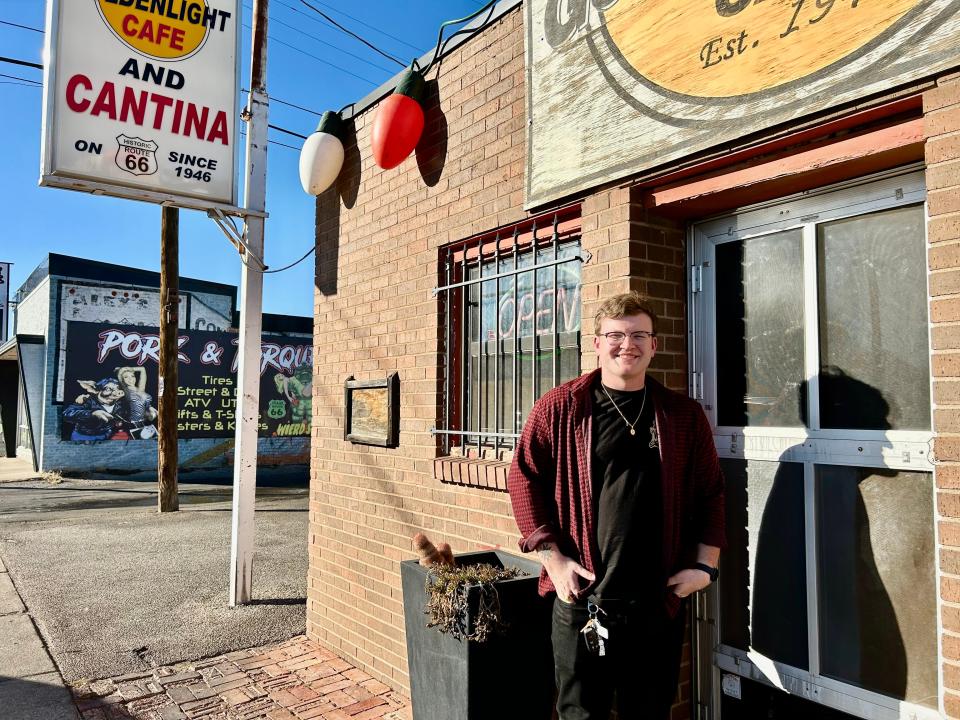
(640, 667)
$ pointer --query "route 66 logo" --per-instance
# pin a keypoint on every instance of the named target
(276, 409)
(136, 155)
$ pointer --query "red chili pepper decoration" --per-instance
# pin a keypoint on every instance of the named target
(399, 122)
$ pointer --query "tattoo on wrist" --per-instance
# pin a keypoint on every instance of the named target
(545, 551)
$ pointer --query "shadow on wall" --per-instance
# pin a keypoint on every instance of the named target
(861, 640)
(431, 151)
(348, 182)
(327, 233)
(328, 241)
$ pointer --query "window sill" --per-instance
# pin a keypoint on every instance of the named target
(472, 472)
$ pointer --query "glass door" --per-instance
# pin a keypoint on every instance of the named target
(811, 358)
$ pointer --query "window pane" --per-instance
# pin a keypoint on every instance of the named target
(763, 570)
(510, 322)
(873, 322)
(878, 616)
(760, 331)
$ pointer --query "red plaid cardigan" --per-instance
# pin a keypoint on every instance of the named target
(552, 491)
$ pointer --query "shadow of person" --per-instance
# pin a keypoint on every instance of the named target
(860, 636)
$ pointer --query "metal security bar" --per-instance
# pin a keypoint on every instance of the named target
(510, 305)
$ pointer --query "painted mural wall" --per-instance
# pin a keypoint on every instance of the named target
(111, 383)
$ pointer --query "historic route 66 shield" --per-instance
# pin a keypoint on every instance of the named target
(136, 155)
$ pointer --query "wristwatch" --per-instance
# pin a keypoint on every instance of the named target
(713, 572)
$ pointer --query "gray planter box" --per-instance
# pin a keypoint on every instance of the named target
(509, 676)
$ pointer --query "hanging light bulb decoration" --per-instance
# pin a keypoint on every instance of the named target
(399, 122)
(321, 157)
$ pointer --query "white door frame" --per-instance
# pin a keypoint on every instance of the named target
(901, 450)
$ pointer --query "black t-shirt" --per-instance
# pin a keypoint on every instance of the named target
(626, 496)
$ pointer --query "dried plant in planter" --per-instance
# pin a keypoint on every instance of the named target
(447, 599)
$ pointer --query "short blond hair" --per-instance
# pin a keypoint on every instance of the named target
(624, 305)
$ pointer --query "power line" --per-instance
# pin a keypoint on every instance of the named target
(318, 58)
(25, 80)
(324, 42)
(357, 20)
(287, 132)
(284, 102)
(14, 61)
(353, 34)
(24, 27)
(275, 127)
(274, 142)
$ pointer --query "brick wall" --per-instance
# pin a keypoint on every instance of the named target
(379, 235)
(942, 125)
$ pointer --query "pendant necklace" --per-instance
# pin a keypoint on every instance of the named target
(617, 408)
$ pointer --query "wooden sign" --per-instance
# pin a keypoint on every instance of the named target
(616, 87)
(372, 411)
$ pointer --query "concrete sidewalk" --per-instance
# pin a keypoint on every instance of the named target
(294, 680)
(99, 589)
(16, 470)
(116, 587)
(30, 684)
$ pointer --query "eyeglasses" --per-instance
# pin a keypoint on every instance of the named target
(617, 338)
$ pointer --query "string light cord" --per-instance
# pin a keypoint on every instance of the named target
(352, 34)
(296, 262)
(442, 44)
(262, 270)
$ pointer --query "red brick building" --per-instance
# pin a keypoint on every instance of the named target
(798, 236)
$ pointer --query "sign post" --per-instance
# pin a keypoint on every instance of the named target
(167, 451)
(251, 291)
(151, 115)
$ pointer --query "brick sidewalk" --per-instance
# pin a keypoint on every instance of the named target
(295, 680)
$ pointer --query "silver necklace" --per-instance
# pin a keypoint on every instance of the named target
(617, 407)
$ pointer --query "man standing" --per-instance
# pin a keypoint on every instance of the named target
(615, 482)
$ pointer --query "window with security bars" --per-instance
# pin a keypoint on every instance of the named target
(510, 304)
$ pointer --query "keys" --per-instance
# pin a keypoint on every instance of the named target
(594, 633)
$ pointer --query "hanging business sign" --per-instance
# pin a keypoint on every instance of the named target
(616, 87)
(141, 99)
(4, 300)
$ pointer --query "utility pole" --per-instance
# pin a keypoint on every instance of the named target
(167, 498)
(251, 289)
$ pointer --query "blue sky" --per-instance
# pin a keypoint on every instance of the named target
(40, 220)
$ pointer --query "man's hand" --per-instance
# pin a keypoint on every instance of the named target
(102, 415)
(686, 582)
(564, 572)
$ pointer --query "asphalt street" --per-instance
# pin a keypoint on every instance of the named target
(116, 587)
